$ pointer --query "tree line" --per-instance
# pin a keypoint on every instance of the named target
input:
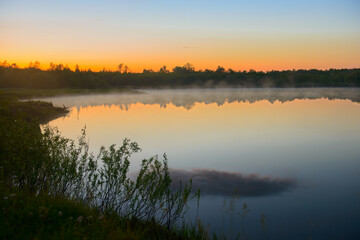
(61, 76)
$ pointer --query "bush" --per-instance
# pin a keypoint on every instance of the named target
(47, 163)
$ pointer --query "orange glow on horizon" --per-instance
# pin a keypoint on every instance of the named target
(317, 39)
(138, 68)
(260, 54)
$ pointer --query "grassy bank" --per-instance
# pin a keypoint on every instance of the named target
(29, 216)
(38, 111)
(54, 188)
(15, 102)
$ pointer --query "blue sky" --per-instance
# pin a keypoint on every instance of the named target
(131, 30)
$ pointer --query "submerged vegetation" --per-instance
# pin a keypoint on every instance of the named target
(61, 76)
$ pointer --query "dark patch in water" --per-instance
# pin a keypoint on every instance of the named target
(212, 182)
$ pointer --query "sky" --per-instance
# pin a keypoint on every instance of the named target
(147, 34)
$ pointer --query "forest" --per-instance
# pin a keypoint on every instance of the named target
(61, 76)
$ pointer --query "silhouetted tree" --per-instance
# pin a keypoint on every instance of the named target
(187, 68)
(60, 76)
(4, 64)
(35, 65)
(123, 68)
(120, 67)
(148, 71)
(163, 69)
(220, 69)
(230, 71)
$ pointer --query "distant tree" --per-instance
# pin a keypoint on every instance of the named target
(120, 67)
(59, 75)
(4, 64)
(59, 67)
(163, 69)
(178, 69)
(66, 68)
(51, 67)
(230, 71)
(187, 68)
(14, 65)
(148, 71)
(220, 69)
(123, 68)
(35, 65)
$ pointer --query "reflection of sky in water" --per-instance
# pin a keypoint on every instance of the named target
(299, 135)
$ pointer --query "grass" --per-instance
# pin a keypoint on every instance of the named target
(38, 111)
(51, 188)
(27, 216)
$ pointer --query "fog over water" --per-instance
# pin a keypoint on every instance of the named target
(291, 154)
(187, 98)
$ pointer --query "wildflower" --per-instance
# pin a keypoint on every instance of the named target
(79, 219)
(60, 213)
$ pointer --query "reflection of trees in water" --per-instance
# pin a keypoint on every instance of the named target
(189, 97)
(213, 182)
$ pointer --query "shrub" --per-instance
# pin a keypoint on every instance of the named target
(47, 163)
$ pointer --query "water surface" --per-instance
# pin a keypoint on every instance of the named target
(292, 154)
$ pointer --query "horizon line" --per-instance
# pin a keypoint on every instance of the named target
(39, 66)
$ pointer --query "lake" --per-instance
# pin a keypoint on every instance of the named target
(292, 155)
